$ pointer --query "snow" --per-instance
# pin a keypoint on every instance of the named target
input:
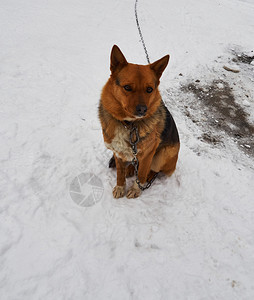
(187, 237)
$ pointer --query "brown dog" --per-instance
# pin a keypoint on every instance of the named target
(131, 98)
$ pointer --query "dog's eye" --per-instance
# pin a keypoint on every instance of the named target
(127, 88)
(149, 90)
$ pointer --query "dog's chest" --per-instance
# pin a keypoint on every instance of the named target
(120, 144)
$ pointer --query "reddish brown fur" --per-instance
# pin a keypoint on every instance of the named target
(118, 105)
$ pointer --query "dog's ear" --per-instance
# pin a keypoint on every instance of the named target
(117, 59)
(159, 66)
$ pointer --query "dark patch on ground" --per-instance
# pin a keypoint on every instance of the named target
(221, 115)
(243, 58)
(211, 139)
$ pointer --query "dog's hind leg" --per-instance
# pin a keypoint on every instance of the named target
(170, 167)
(169, 164)
(151, 174)
(165, 160)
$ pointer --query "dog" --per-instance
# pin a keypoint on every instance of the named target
(131, 98)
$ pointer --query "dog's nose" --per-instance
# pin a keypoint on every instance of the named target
(141, 109)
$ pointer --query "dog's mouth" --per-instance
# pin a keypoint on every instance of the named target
(134, 116)
(140, 116)
(130, 117)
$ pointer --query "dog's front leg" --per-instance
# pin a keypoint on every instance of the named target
(119, 189)
(143, 171)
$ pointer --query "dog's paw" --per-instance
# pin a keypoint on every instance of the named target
(118, 191)
(134, 191)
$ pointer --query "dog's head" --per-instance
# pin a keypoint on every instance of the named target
(135, 87)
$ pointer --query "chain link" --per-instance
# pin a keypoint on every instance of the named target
(135, 162)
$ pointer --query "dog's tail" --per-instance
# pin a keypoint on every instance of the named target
(112, 162)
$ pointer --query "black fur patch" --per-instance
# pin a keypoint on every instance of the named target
(112, 162)
(169, 135)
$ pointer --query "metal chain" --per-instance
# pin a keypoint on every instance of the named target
(134, 130)
(135, 162)
(140, 32)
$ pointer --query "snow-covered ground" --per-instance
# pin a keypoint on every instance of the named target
(62, 235)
